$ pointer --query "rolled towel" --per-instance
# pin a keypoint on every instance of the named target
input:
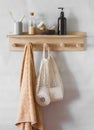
(43, 97)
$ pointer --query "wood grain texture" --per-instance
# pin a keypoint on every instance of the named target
(74, 41)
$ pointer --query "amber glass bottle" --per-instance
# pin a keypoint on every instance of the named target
(62, 23)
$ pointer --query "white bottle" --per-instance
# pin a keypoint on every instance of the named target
(32, 26)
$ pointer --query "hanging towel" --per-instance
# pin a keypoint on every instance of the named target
(29, 115)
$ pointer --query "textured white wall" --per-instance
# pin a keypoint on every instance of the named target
(76, 111)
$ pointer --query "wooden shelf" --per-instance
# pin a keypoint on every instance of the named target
(74, 41)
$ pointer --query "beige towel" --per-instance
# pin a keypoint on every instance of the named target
(29, 115)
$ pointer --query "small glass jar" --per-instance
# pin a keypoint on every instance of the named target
(32, 25)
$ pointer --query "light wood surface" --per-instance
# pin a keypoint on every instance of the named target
(74, 41)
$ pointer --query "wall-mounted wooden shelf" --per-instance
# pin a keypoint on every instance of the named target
(74, 41)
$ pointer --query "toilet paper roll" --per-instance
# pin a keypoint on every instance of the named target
(43, 97)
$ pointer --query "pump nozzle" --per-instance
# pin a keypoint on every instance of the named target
(62, 13)
(61, 8)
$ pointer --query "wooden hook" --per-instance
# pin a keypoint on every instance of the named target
(61, 44)
(18, 45)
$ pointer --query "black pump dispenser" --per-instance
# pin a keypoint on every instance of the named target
(61, 23)
(62, 13)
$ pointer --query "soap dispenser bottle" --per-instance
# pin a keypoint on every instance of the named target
(62, 23)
